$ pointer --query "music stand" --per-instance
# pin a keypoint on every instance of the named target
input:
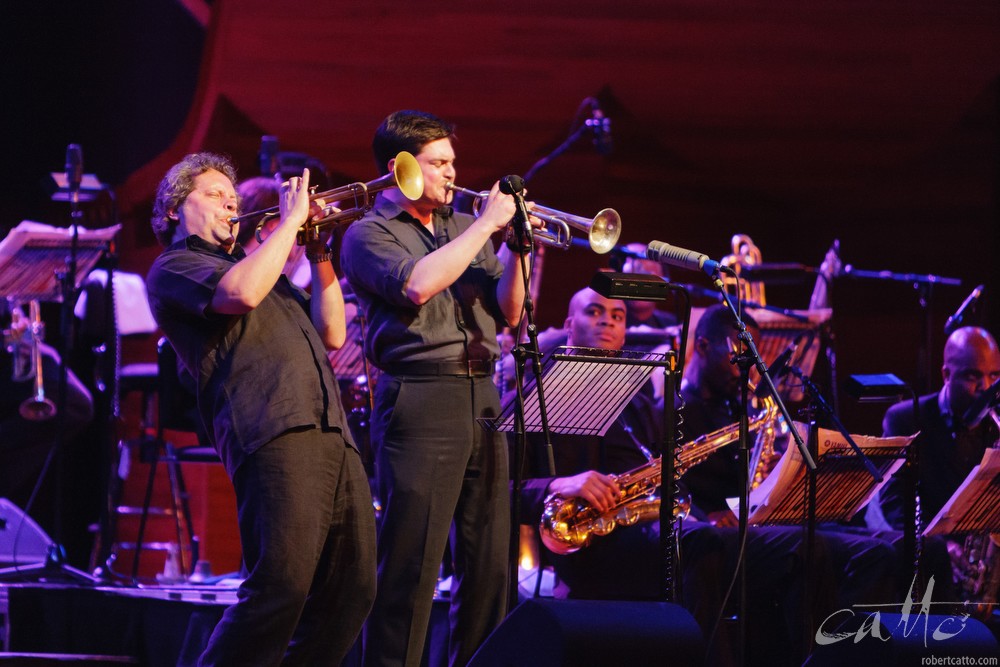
(45, 263)
(589, 388)
(586, 390)
(33, 255)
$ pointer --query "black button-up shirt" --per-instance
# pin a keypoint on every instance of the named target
(460, 323)
(258, 375)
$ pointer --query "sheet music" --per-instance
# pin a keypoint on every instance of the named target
(844, 484)
(975, 505)
(583, 395)
(33, 252)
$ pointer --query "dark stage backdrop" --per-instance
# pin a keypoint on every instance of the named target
(875, 123)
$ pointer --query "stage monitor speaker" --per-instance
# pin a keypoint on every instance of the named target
(889, 640)
(21, 539)
(546, 633)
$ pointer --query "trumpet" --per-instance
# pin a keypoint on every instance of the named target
(602, 230)
(36, 407)
(406, 175)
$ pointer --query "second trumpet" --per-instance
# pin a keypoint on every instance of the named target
(406, 175)
(602, 230)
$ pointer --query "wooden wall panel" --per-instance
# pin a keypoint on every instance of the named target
(797, 123)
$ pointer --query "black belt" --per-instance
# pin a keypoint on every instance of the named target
(470, 368)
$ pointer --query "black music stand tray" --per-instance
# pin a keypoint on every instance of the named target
(844, 484)
(975, 505)
(585, 390)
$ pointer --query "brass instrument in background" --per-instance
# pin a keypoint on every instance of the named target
(745, 253)
(25, 348)
(568, 524)
(406, 175)
(602, 230)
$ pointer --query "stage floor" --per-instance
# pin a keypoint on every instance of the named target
(154, 626)
(164, 625)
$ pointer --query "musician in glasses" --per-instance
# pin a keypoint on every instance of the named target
(256, 346)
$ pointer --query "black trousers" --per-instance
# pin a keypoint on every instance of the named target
(308, 532)
(439, 474)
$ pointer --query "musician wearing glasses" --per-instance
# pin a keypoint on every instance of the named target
(434, 292)
(256, 347)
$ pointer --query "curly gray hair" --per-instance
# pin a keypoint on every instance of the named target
(178, 184)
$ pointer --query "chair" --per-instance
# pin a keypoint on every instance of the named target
(176, 411)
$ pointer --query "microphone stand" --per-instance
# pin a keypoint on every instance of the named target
(924, 284)
(524, 238)
(750, 357)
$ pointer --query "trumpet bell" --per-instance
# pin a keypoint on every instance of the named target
(605, 230)
(408, 176)
(37, 409)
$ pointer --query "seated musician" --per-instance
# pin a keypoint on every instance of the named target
(950, 444)
(626, 564)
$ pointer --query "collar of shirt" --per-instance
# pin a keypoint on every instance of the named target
(197, 243)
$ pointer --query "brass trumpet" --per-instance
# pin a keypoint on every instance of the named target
(602, 230)
(406, 175)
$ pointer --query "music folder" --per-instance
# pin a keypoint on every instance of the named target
(975, 505)
(843, 483)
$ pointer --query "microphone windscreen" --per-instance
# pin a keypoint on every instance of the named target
(512, 185)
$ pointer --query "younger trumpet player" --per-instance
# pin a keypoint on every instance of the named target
(434, 292)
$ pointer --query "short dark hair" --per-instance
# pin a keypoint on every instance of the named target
(178, 184)
(256, 194)
(407, 130)
(716, 323)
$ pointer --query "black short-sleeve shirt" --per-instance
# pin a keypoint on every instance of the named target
(257, 375)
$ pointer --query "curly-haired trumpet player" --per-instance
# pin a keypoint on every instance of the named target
(256, 347)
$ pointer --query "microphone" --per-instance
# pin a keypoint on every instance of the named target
(74, 167)
(600, 126)
(681, 258)
(514, 185)
(955, 321)
(981, 405)
(779, 369)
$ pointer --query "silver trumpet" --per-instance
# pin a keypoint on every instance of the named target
(36, 407)
(602, 230)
